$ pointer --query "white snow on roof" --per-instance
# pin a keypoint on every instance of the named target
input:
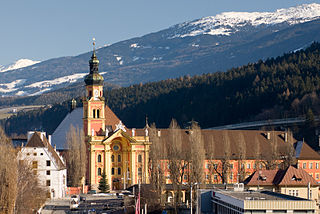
(60, 134)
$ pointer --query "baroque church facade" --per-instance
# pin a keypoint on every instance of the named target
(112, 150)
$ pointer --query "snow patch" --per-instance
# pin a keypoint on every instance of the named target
(10, 87)
(21, 63)
(135, 45)
(230, 22)
(49, 83)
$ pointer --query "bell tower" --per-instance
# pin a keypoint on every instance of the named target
(94, 103)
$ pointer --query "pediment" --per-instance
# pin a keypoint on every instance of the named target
(118, 134)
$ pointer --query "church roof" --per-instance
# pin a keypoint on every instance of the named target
(215, 146)
(73, 118)
(288, 177)
(39, 141)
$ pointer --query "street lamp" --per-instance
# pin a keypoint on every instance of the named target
(191, 196)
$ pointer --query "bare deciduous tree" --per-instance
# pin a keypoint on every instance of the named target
(242, 157)
(8, 175)
(176, 160)
(197, 154)
(76, 156)
(31, 195)
(222, 168)
(157, 173)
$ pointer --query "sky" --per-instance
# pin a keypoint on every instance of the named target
(45, 29)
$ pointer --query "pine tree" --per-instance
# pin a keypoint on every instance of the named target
(103, 183)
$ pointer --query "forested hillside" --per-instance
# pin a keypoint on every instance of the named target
(285, 86)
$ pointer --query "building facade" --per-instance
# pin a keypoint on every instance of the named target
(122, 156)
(46, 163)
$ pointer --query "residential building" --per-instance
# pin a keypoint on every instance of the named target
(290, 181)
(46, 163)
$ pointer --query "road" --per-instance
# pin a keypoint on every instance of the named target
(106, 204)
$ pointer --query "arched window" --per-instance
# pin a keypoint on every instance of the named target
(99, 158)
(119, 158)
(98, 113)
(112, 158)
(139, 158)
(99, 171)
(119, 171)
(112, 171)
(94, 113)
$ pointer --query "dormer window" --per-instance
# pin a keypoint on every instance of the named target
(295, 178)
(262, 178)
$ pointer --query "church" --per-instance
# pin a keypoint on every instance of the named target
(121, 153)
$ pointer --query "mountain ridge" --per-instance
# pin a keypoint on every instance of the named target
(154, 57)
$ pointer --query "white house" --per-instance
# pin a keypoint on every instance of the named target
(46, 162)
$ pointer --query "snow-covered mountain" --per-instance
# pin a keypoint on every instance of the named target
(21, 63)
(231, 22)
(209, 44)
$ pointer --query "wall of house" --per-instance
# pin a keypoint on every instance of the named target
(48, 173)
(301, 192)
(312, 167)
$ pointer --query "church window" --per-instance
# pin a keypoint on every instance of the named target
(112, 158)
(140, 171)
(112, 171)
(94, 113)
(99, 158)
(139, 158)
(119, 158)
(99, 171)
(98, 113)
(119, 171)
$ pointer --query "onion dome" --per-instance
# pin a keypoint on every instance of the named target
(94, 78)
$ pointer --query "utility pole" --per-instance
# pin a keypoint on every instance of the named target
(191, 199)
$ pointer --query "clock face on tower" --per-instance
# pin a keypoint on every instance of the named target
(96, 93)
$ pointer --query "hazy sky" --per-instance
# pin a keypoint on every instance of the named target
(44, 29)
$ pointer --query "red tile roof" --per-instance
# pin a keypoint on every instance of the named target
(288, 177)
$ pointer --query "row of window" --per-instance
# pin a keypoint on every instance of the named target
(248, 166)
(119, 158)
(118, 170)
(34, 154)
(304, 165)
(35, 164)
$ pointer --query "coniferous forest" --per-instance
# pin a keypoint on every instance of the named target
(282, 87)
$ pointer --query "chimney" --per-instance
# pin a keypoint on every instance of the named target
(286, 137)
(159, 133)
(133, 132)
(268, 135)
(73, 105)
(49, 139)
